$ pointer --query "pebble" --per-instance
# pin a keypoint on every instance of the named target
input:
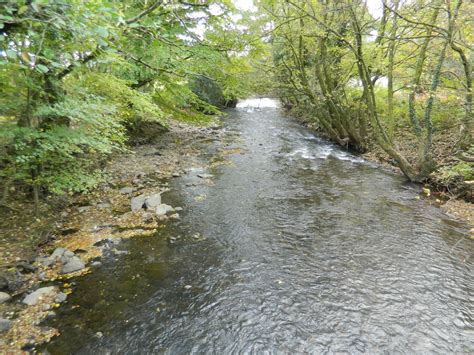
(187, 287)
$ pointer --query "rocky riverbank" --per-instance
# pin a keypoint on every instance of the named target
(42, 255)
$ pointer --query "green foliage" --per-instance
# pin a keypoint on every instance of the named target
(53, 155)
(77, 77)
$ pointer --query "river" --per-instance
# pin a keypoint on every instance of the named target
(295, 247)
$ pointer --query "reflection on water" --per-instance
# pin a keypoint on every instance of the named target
(304, 248)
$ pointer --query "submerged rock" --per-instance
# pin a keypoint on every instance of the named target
(4, 297)
(205, 176)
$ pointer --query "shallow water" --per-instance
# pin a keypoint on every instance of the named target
(302, 248)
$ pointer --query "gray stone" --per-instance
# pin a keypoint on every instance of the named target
(72, 265)
(45, 261)
(4, 297)
(176, 175)
(96, 264)
(127, 190)
(163, 209)
(175, 216)
(178, 209)
(84, 208)
(34, 297)
(5, 324)
(57, 253)
(103, 205)
(137, 203)
(153, 201)
(61, 297)
(68, 254)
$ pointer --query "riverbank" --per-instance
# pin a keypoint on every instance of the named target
(76, 231)
(444, 188)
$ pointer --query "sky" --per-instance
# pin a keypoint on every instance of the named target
(375, 6)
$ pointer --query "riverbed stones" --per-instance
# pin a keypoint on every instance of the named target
(72, 264)
(4, 297)
(153, 201)
(5, 325)
(205, 176)
(51, 292)
(163, 209)
(127, 190)
(138, 202)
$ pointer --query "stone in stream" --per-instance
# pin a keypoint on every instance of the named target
(127, 190)
(42, 293)
(4, 297)
(153, 201)
(5, 324)
(163, 209)
(205, 176)
(137, 203)
(72, 264)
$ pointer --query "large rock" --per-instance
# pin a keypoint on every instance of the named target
(73, 263)
(41, 293)
(153, 201)
(5, 324)
(4, 297)
(163, 209)
(138, 202)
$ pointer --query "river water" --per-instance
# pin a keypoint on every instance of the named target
(298, 247)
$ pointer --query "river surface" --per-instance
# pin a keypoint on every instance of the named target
(296, 247)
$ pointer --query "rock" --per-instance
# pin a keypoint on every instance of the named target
(103, 205)
(127, 190)
(153, 201)
(138, 202)
(176, 175)
(120, 252)
(147, 217)
(174, 216)
(58, 253)
(205, 176)
(61, 297)
(163, 209)
(96, 264)
(5, 324)
(84, 208)
(72, 265)
(45, 261)
(187, 287)
(178, 209)
(4, 297)
(34, 298)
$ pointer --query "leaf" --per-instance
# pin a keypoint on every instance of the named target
(22, 9)
(11, 53)
(42, 68)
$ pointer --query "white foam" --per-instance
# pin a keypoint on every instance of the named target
(264, 102)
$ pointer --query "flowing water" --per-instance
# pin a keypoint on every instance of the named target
(298, 247)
